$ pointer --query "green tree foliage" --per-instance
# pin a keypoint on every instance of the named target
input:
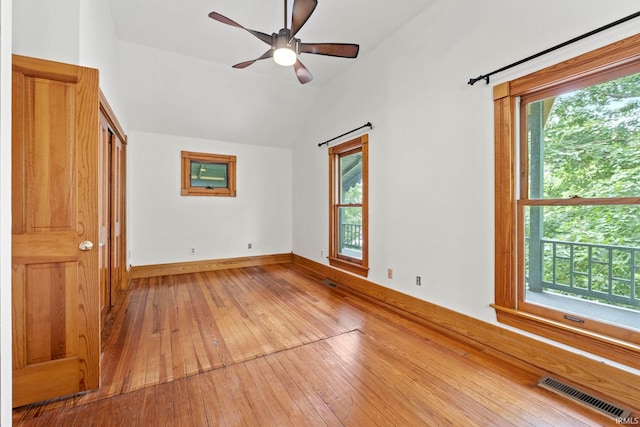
(592, 149)
(351, 170)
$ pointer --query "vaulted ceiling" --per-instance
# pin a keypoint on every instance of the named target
(177, 63)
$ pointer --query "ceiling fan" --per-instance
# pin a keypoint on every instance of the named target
(285, 48)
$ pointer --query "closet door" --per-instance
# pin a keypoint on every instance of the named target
(104, 216)
(117, 214)
(111, 208)
(55, 291)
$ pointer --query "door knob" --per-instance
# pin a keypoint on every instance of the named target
(86, 245)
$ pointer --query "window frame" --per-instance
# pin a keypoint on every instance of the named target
(353, 265)
(187, 157)
(615, 343)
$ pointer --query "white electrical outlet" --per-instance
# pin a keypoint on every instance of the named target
(192, 251)
(389, 273)
(249, 246)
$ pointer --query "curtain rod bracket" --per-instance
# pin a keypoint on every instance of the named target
(473, 81)
(368, 124)
(485, 77)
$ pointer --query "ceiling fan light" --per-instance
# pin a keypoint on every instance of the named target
(284, 56)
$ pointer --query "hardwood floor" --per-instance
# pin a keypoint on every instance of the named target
(274, 345)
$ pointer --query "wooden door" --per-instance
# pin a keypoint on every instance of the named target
(111, 209)
(104, 217)
(55, 291)
(117, 214)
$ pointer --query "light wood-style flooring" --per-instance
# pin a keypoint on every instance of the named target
(276, 346)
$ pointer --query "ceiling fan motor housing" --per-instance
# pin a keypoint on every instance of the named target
(283, 40)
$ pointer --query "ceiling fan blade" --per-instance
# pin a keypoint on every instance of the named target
(343, 50)
(302, 10)
(245, 64)
(304, 75)
(221, 18)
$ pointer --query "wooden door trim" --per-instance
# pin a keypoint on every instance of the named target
(105, 108)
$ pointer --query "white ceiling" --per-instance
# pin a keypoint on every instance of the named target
(277, 100)
(184, 27)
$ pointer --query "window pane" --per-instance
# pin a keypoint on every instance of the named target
(586, 143)
(208, 175)
(585, 260)
(351, 179)
(350, 229)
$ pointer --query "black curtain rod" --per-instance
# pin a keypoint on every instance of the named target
(368, 124)
(485, 77)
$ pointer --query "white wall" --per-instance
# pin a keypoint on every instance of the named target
(431, 151)
(5, 212)
(73, 32)
(98, 48)
(47, 29)
(174, 94)
(164, 225)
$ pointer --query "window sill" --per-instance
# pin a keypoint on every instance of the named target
(617, 350)
(349, 266)
(216, 192)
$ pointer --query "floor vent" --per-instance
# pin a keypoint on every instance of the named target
(583, 398)
(329, 283)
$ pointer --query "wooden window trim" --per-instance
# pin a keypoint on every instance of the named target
(353, 265)
(188, 190)
(606, 341)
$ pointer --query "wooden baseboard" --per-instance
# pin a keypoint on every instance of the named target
(141, 271)
(609, 381)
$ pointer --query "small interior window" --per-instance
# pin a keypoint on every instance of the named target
(208, 174)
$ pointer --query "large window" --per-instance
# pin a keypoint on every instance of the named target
(348, 210)
(568, 202)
